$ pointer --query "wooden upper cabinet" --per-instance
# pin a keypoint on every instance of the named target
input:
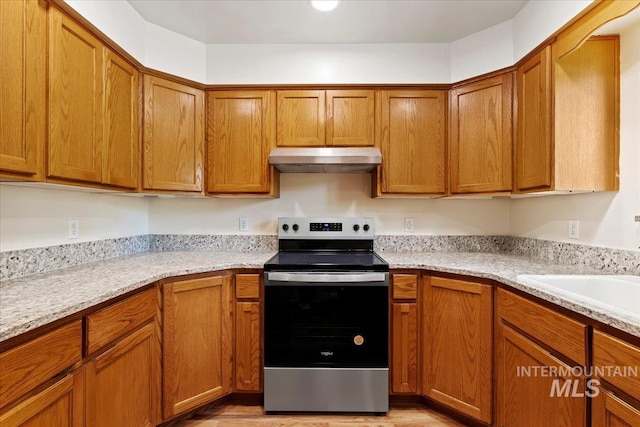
(533, 161)
(457, 343)
(121, 131)
(300, 118)
(240, 135)
(413, 128)
(173, 136)
(350, 118)
(23, 66)
(480, 137)
(76, 102)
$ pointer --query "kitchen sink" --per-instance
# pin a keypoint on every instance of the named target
(621, 292)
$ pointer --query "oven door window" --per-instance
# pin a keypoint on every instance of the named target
(314, 325)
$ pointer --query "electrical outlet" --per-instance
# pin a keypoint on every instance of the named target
(244, 223)
(574, 228)
(74, 228)
(408, 225)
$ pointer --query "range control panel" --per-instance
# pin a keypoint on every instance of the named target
(325, 228)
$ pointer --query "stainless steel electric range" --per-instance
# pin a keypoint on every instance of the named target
(326, 318)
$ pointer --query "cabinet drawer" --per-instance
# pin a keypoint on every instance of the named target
(112, 322)
(560, 332)
(613, 352)
(405, 286)
(25, 367)
(248, 286)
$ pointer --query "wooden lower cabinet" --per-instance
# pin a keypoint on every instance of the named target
(457, 345)
(404, 350)
(608, 410)
(248, 360)
(122, 386)
(61, 405)
(197, 342)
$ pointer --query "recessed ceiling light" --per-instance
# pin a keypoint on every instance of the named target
(325, 5)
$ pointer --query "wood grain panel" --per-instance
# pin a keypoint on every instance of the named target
(610, 411)
(31, 364)
(111, 323)
(58, 405)
(404, 350)
(481, 136)
(122, 382)
(350, 118)
(405, 286)
(22, 86)
(609, 351)
(413, 141)
(534, 149)
(173, 136)
(563, 334)
(121, 130)
(587, 107)
(75, 101)
(457, 345)
(247, 286)
(526, 400)
(197, 342)
(240, 135)
(248, 360)
(300, 118)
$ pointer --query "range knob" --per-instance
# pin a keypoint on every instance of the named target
(366, 227)
(356, 227)
(295, 227)
(285, 227)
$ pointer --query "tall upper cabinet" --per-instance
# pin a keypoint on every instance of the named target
(22, 88)
(568, 109)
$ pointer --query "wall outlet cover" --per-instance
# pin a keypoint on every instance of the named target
(574, 229)
(408, 225)
(244, 223)
(74, 228)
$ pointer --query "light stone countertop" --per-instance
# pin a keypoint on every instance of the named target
(33, 301)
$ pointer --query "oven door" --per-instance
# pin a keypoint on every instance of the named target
(326, 319)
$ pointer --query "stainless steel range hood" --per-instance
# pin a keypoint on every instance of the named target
(325, 159)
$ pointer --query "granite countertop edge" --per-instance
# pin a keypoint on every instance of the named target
(30, 302)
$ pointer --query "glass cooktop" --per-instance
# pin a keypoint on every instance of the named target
(329, 260)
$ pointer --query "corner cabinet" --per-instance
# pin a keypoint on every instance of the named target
(413, 127)
(173, 140)
(480, 137)
(23, 120)
(197, 342)
(457, 345)
(240, 135)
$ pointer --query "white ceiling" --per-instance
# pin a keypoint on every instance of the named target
(354, 21)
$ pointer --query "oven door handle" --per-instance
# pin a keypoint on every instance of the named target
(376, 279)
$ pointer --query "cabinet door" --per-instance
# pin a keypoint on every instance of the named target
(404, 351)
(480, 136)
(248, 360)
(300, 121)
(75, 101)
(23, 86)
(457, 345)
(122, 146)
(173, 136)
(197, 342)
(240, 134)
(610, 411)
(534, 154)
(350, 117)
(58, 405)
(122, 383)
(527, 392)
(413, 138)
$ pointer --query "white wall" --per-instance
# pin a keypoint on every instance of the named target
(34, 217)
(328, 195)
(605, 219)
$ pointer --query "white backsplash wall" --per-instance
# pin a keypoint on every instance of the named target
(35, 217)
(328, 195)
(606, 219)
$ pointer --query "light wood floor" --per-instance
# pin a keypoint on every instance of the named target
(239, 414)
